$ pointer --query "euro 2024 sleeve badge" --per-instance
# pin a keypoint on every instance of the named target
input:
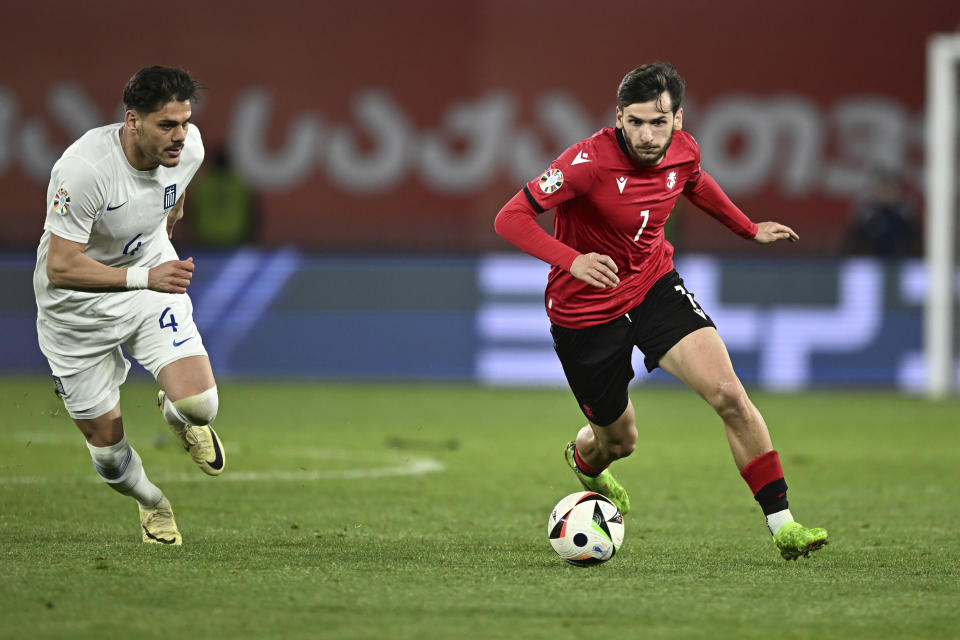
(61, 201)
(551, 180)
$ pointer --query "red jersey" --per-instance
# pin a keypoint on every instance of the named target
(607, 204)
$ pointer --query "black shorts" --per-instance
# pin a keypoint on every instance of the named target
(597, 360)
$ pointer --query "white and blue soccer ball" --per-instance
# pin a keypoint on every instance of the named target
(585, 528)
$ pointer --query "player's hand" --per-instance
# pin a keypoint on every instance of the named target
(595, 269)
(171, 277)
(768, 232)
(173, 218)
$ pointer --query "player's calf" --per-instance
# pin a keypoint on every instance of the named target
(121, 468)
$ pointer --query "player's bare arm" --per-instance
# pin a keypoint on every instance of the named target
(769, 232)
(174, 216)
(69, 267)
(597, 270)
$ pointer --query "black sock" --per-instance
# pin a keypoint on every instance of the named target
(772, 497)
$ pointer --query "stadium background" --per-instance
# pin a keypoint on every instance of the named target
(380, 141)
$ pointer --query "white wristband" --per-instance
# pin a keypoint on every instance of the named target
(138, 277)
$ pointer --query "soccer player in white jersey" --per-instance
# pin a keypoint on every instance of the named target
(108, 278)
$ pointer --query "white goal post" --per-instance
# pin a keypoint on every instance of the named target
(943, 66)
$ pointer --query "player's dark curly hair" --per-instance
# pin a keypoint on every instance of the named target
(152, 87)
(648, 82)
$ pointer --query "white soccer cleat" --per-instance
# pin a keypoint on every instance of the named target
(201, 442)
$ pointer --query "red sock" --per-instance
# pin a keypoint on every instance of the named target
(762, 470)
(764, 476)
(584, 467)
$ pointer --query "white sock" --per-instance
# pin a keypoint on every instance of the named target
(778, 519)
(195, 410)
(121, 468)
(173, 417)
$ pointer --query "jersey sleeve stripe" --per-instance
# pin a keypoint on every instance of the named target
(533, 202)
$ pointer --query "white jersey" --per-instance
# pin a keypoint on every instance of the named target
(97, 198)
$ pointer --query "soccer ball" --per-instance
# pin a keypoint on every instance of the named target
(585, 528)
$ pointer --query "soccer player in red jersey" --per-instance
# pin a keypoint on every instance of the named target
(613, 286)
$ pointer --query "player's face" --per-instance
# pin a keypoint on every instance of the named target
(159, 136)
(648, 128)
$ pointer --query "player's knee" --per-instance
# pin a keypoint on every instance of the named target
(730, 401)
(201, 408)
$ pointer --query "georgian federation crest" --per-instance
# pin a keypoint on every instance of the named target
(671, 180)
(61, 201)
(551, 180)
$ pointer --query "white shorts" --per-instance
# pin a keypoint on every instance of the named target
(88, 364)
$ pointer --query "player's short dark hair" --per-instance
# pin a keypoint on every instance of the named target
(152, 87)
(648, 82)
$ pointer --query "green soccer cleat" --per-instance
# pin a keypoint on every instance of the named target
(604, 484)
(158, 524)
(201, 442)
(795, 540)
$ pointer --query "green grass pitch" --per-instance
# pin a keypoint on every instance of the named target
(419, 511)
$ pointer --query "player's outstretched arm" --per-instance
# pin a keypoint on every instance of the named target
(768, 232)
(69, 267)
(515, 222)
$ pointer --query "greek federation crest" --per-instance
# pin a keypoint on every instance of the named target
(169, 196)
(61, 201)
(671, 180)
(551, 180)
